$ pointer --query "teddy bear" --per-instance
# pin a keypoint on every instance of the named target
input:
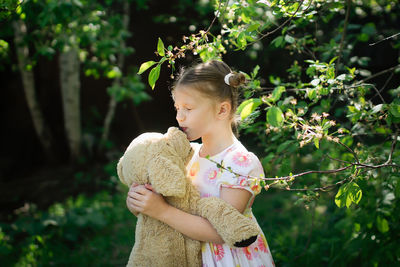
(160, 160)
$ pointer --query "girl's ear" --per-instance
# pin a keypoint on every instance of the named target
(224, 110)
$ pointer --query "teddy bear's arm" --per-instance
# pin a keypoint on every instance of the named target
(233, 227)
(121, 177)
(119, 171)
(166, 177)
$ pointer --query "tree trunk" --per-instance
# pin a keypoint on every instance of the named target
(41, 128)
(113, 102)
(70, 91)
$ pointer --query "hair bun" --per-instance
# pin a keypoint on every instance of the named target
(237, 79)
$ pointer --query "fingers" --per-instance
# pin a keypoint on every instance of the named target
(134, 205)
(141, 189)
(148, 186)
(133, 185)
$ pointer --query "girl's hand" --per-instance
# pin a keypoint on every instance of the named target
(143, 199)
(129, 200)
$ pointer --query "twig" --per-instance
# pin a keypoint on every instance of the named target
(378, 74)
(340, 160)
(392, 148)
(346, 21)
(323, 188)
(292, 177)
(384, 86)
(387, 38)
(216, 16)
(306, 88)
(283, 24)
(351, 151)
(378, 93)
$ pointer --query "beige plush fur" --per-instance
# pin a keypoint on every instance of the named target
(160, 160)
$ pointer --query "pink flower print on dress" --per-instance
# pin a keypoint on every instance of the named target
(261, 244)
(194, 170)
(242, 159)
(211, 175)
(218, 251)
(255, 252)
(247, 252)
(243, 181)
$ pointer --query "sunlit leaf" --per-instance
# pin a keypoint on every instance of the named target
(275, 116)
(145, 66)
(247, 107)
(276, 94)
(153, 76)
(395, 110)
(160, 47)
(382, 224)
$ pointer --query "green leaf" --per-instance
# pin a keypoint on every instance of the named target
(332, 60)
(241, 40)
(311, 93)
(315, 82)
(277, 41)
(284, 145)
(289, 39)
(249, 106)
(114, 73)
(253, 27)
(382, 224)
(275, 116)
(377, 108)
(145, 66)
(395, 110)
(341, 196)
(347, 194)
(153, 76)
(276, 94)
(160, 47)
(316, 143)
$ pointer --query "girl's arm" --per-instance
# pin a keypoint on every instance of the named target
(143, 200)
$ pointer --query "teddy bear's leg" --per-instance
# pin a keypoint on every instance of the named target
(193, 252)
(234, 228)
(157, 245)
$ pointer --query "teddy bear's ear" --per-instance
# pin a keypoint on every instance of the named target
(178, 140)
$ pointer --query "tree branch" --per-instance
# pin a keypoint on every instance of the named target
(378, 74)
(283, 24)
(387, 38)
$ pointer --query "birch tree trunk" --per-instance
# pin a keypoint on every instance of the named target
(113, 102)
(70, 91)
(28, 82)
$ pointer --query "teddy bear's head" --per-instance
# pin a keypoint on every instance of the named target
(133, 165)
(179, 142)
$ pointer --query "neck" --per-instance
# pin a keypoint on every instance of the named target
(216, 141)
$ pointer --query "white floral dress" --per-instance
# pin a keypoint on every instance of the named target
(209, 179)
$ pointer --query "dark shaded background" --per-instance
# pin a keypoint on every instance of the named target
(25, 176)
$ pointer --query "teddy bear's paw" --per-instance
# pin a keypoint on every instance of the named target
(246, 242)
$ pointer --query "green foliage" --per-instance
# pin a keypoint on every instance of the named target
(82, 231)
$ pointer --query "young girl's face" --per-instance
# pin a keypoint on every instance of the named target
(195, 112)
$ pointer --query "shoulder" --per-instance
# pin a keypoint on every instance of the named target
(240, 158)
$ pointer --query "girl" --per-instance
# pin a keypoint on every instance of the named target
(205, 98)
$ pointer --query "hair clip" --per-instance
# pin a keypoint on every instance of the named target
(226, 78)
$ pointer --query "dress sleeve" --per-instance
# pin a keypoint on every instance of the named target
(242, 165)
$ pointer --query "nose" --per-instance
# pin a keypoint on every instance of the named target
(180, 116)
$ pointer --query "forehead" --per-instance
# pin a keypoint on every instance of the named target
(188, 95)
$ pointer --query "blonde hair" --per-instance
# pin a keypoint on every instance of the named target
(209, 79)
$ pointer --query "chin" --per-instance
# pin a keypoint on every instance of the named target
(192, 138)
